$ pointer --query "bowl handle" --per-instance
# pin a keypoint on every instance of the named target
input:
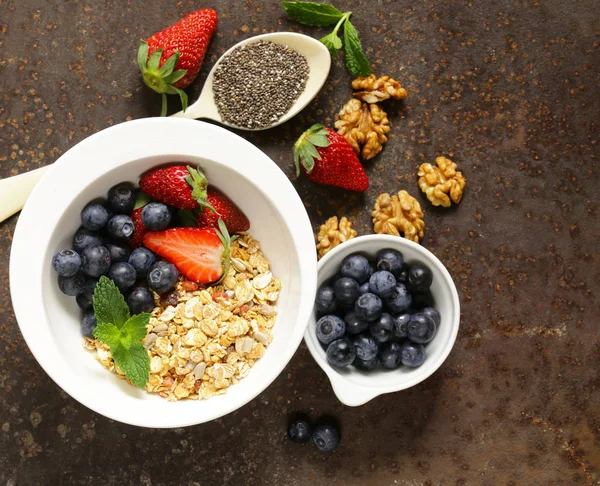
(15, 190)
(351, 394)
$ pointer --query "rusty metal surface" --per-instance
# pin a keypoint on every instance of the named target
(509, 90)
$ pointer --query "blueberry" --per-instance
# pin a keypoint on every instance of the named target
(356, 267)
(85, 238)
(368, 307)
(421, 328)
(400, 299)
(140, 300)
(400, 326)
(366, 365)
(383, 328)
(420, 300)
(123, 275)
(346, 291)
(162, 277)
(90, 287)
(366, 347)
(419, 278)
(120, 227)
(325, 301)
(121, 198)
(88, 324)
(413, 355)
(390, 355)
(94, 217)
(402, 276)
(72, 285)
(326, 437)
(372, 270)
(382, 283)
(364, 288)
(299, 431)
(84, 301)
(330, 328)
(142, 259)
(156, 216)
(66, 263)
(390, 261)
(341, 352)
(354, 325)
(95, 261)
(118, 253)
(434, 314)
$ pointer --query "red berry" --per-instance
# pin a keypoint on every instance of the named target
(226, 209)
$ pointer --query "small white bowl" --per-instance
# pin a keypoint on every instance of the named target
(50, 320)
(355, 387)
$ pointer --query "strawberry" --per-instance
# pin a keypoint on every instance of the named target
(170, 60)
(201, 254)
(225, 208)
(137, 238)
(327, 158)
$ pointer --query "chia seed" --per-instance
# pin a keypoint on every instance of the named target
(256, 84)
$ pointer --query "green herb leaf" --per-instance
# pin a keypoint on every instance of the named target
(313, 14)
(141, 200)
(109, 304)
(133, 361)
(134, 330)
(109, 334)
(356, 61)
(332, 42)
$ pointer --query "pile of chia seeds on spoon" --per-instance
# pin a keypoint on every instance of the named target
(256, 84)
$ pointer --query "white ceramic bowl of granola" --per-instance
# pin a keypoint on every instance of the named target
(354, 387)
(49, 320)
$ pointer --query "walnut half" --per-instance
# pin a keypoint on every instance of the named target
(334, 233)
(440, 181)
(398, 214)
(364, 126)
(373, 89)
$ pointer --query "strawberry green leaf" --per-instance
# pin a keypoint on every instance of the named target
(154, 60)
(141, 200)
(199, 184)
(109, 304)
(226, 240)
(142, 58)
(175, 76)
(164, 105)
(183, 97)
(169, 65)
(305, 148)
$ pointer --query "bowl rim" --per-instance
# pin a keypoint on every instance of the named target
(120, 145)
(346, 389)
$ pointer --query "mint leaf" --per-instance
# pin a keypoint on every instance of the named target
(133, 361)
(109, 334)
(313, 14)
(134, 330)
(109, 304)
(333, 43)
(356, 61)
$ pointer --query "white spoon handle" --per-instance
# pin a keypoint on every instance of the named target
(14, 191)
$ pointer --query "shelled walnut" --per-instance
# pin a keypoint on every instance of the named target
(333, 233)
(374, 89)
(398, 214)
(365, 126)
(440, 181)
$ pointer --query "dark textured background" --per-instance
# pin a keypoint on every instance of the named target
(509, 90)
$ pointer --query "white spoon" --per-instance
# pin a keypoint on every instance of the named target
(14, 191)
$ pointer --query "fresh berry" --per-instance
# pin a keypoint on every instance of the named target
(299, 430)
(434, 314)
(170, 60)
(224, 208)
(421, 300)
(201, 254)
(366, 365)
(366, 347)
(95, 261)
(354, 325)
(356, 267)
(382, 283)
(400, 299)
(326, 437)
(66, 263)
(120, 227)
(123, 275)
(139, 231)
(341, 353)
(390, 355)
(88, 324)
(390, 261)
(140, 300)
(402, 275)
(413, 355)
(346, 291)
(118, 253)
(121, 198)
(364, 288)
(85, 238)
(84, 302)
(330, 328)
(325, 301)
(383, 328)
(400, 326)
(327, 158)
(419, 278)
(72, 285)
(90, 287)
(141, 259)
(368, 307)
(421, 328)
(94, 217)
(162, 277)
(156, 216)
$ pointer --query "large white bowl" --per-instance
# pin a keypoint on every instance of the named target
(354, 387)
(50, 320)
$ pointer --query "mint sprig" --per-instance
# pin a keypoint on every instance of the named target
(324, 15)
(121, 332)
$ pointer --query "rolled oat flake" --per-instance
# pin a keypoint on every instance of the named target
(256, 84)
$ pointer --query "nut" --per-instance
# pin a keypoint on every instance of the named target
(374, 89)
(364, 126)
(397, 214)
(437, 182)
(333, 233)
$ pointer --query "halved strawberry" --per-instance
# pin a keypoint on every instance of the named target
(225, 208)
(137, 239)
(201, 254)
